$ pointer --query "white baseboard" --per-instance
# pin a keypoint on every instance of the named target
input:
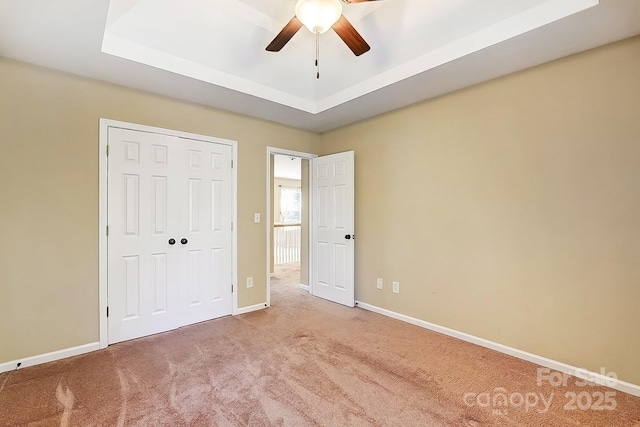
(49, 357)
(599, 378)
(250, 308)
(305, 287)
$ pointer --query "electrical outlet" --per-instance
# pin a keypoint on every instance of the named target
(396, 287)
(256, 217)
(249, 282)
(379, 283)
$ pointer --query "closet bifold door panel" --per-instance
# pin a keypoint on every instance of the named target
(170, 239)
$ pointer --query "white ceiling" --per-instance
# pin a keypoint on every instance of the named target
(212, 51)
(287, 167)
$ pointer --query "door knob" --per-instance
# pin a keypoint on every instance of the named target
(184, 241)
(172, 241)
(348, 236)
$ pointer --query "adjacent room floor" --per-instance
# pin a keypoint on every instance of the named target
(286, 274)
(302, 362)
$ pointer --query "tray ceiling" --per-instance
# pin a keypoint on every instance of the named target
(213, 51)
(223, 42)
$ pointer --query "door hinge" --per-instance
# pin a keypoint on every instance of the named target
(231, 164)
(107, 311)
(231, 226)
(232, 288)
(107, 151)
(107, 230)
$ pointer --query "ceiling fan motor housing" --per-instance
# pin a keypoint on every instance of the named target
(318, 15)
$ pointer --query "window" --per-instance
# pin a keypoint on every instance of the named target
(290, 205)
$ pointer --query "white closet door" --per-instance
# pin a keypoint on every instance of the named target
(161, 190)
(204, 201)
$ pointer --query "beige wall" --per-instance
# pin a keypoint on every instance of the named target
(49, 197)
(511, 210)
(304, 240)
(271, 203)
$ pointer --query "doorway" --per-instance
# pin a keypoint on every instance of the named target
(288, 211)
(287, 220)
(327, 224)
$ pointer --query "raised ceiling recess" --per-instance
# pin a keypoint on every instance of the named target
(222, 42)
(212, 52)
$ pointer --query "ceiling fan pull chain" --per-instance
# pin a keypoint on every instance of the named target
(317, 55)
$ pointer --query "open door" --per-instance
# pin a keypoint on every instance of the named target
(333, 235)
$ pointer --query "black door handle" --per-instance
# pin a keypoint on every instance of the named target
(184, 241)
(172, 241)
(348, 237)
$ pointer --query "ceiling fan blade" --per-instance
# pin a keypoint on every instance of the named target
(285, 35)
(350, 36)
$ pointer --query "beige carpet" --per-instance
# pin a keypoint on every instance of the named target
(302, 362)
(286, 274)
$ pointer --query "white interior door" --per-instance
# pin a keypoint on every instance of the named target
(333, 228)
(205, 259)
(169, 243)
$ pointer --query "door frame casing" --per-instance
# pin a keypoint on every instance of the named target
(103, 191)
(269, 211)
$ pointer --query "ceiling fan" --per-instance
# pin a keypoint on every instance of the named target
(318, 16)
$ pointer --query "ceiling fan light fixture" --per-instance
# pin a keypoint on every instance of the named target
(318, 15)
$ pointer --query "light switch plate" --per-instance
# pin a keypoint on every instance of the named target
(256, 218)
